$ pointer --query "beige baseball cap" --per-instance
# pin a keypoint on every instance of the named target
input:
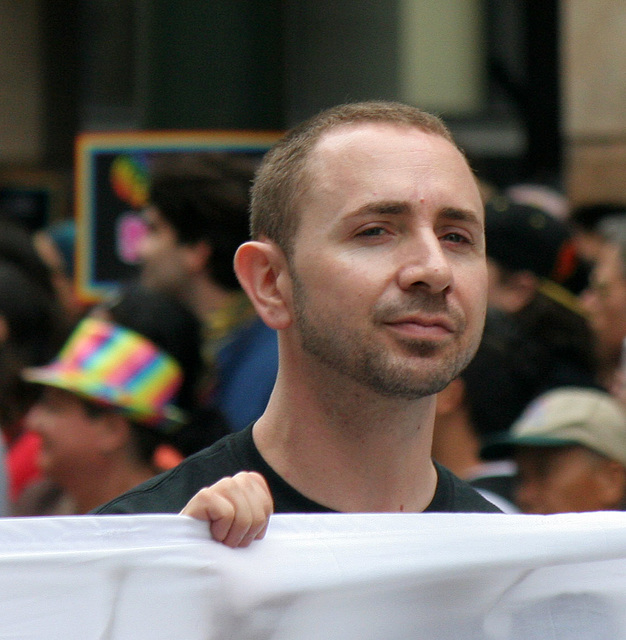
(567, 416)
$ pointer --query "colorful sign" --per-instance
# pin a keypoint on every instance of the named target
(112, 173)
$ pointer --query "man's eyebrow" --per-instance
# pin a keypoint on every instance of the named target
(384, 207)
(462, 215)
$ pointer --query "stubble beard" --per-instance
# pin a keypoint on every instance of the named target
(374, 366)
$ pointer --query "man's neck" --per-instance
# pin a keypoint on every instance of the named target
(355, 451)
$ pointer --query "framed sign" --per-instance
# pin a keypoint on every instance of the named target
(112, 178)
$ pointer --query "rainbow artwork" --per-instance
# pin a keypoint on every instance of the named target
(130, 179)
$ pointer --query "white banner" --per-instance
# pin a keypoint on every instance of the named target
(361, 577)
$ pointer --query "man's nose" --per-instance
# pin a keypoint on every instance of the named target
(424, 264)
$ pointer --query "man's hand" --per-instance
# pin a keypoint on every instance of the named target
(237, 508)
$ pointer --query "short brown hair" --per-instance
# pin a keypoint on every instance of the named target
(281, 178)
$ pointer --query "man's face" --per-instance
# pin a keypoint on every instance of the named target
(161, 255)
(605, 302)
(68, 435)
(388, 266)
(559, 480)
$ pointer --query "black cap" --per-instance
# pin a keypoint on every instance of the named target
(521, 237)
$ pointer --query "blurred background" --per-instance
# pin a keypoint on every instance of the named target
(96, 95)
(535, 90)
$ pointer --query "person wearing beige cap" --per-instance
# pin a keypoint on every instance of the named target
(570, 449)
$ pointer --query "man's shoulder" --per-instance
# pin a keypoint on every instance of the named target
(454, 495)
(170, 491)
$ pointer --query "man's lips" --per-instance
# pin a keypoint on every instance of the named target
(420, 326)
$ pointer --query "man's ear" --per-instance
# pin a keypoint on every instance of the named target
(263, 272)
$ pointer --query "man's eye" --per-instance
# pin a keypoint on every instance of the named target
(456, 238)
(373, 231)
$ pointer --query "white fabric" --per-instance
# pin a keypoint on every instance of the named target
(419, 576)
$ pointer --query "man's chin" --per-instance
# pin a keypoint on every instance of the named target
(410, 384)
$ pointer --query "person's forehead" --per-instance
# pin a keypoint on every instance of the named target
(361, 150)
(353, 137)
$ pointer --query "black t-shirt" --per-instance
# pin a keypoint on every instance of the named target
(169, 492)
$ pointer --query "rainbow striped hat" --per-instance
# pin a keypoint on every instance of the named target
(114, 366)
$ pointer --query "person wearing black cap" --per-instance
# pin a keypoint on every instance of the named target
(535, 277)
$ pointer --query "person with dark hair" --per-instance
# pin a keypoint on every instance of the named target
(196, 218)
(536, 338)
(368, 258)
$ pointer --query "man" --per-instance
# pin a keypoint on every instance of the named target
(198, 216)
(570, 449)
(368, 258)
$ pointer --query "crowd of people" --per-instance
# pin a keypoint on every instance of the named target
(359, 345)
